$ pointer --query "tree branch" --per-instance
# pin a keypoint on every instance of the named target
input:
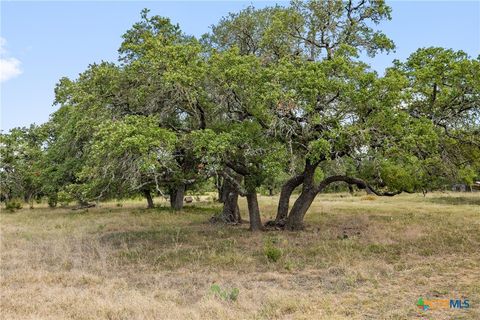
(358, 182)
(238, 187)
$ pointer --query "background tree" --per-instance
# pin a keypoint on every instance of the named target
(21, 153)
(164, 74)
(443, 91)
(128, 156)
(84, 105)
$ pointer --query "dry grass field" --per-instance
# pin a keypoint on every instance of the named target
(359, 258)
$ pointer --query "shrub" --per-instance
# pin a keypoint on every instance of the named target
(13, 204)
(272, 253)
(270, 250)
(52, 201)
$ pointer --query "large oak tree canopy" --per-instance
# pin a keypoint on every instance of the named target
(275, 98)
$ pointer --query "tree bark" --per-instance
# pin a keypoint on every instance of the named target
(223, 191)
(299, 209)
(231, 211)
(219, 185)
(303, 202)
(176, 197)
(285, 194)
(148, 196)
(254, 211)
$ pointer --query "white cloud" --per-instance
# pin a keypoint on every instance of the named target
(9, 66)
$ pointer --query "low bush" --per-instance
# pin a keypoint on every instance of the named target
(271, 251)
(13, 204)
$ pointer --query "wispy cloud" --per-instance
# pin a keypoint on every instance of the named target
(9, 66)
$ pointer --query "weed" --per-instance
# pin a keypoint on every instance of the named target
(271, 251)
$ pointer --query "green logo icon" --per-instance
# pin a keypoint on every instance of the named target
(421, 304)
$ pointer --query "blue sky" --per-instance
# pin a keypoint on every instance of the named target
(44, 41)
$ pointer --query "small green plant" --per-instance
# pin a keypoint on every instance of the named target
(289, 265)
(270, 250)
(226, 295)
(13, 204)
(272, 253)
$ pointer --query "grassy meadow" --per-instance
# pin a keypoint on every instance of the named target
(361, 257)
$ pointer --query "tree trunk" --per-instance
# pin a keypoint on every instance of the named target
(176, 197)
(285, 194)
(220, 186)
(223, 191)
(299, 209)
(295, 218)
(221, 195)
(148, 196)
(254, 212)
(231, 211)
(303, 202)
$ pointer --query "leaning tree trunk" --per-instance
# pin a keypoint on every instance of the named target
(254, 211)
(303, 202)
(176, 197)
(285, 194)
(148, 196)
(299, 209)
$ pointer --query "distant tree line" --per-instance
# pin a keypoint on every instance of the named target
(275, 98)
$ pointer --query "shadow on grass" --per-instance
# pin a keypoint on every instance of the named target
(193, 209)
(456, 200)
(164, 236)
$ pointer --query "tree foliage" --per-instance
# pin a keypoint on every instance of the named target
(270, 98)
